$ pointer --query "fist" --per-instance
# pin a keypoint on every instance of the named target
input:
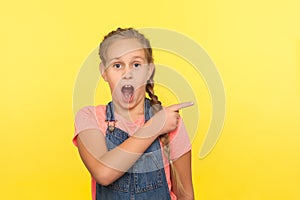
(166, 120)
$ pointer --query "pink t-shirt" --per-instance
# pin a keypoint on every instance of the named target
(93, 117)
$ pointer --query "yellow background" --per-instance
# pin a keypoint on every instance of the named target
(254, 44)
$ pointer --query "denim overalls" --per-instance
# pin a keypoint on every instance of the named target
(146, 179)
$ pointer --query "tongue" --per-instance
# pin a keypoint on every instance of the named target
(127, 93)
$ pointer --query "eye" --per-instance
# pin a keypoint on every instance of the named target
(137, 65)
(117, 65)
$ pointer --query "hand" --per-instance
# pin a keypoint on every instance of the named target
(166, 120)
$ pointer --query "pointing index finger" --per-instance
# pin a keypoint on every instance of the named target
(185, 104)
(179, 106)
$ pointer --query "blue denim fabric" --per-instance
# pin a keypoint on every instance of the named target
(146, 179)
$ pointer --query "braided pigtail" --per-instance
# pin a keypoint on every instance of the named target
(165, 138)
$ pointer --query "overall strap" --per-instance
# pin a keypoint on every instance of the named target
(110, 112)
(148, 110)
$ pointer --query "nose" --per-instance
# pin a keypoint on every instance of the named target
(127, 73)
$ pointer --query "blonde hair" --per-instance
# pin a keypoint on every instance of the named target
(130, 33)
(127, 33)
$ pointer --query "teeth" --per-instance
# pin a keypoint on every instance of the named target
(127, 88)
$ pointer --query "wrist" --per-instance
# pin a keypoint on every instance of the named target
(147, 131)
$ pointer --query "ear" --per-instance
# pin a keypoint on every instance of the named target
(103, 71)
(150, 70)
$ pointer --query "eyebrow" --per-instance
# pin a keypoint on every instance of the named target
(110, 60)
(117, 58)
(138, 57)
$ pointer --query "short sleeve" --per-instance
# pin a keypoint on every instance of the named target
(179, 141)
(85, 119)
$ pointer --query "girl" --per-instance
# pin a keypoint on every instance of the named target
(133, 147)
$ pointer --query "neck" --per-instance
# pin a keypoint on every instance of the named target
(131, 113)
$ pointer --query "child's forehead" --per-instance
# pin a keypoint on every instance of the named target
(124, 47)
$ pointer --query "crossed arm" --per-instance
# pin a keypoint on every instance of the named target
(107, 166)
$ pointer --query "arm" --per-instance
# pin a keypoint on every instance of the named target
(107, 166)
(182, 167)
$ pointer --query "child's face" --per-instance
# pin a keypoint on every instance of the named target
(126, 72)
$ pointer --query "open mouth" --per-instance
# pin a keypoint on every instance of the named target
(127, 91)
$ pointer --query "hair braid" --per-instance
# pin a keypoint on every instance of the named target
(156, 106)
(165, 138)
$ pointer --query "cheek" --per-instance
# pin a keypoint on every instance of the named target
(142, 76)
(112, 83)
(141, 81)
(113, 79)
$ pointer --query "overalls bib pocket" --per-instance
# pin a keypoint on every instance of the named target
(148, 173)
